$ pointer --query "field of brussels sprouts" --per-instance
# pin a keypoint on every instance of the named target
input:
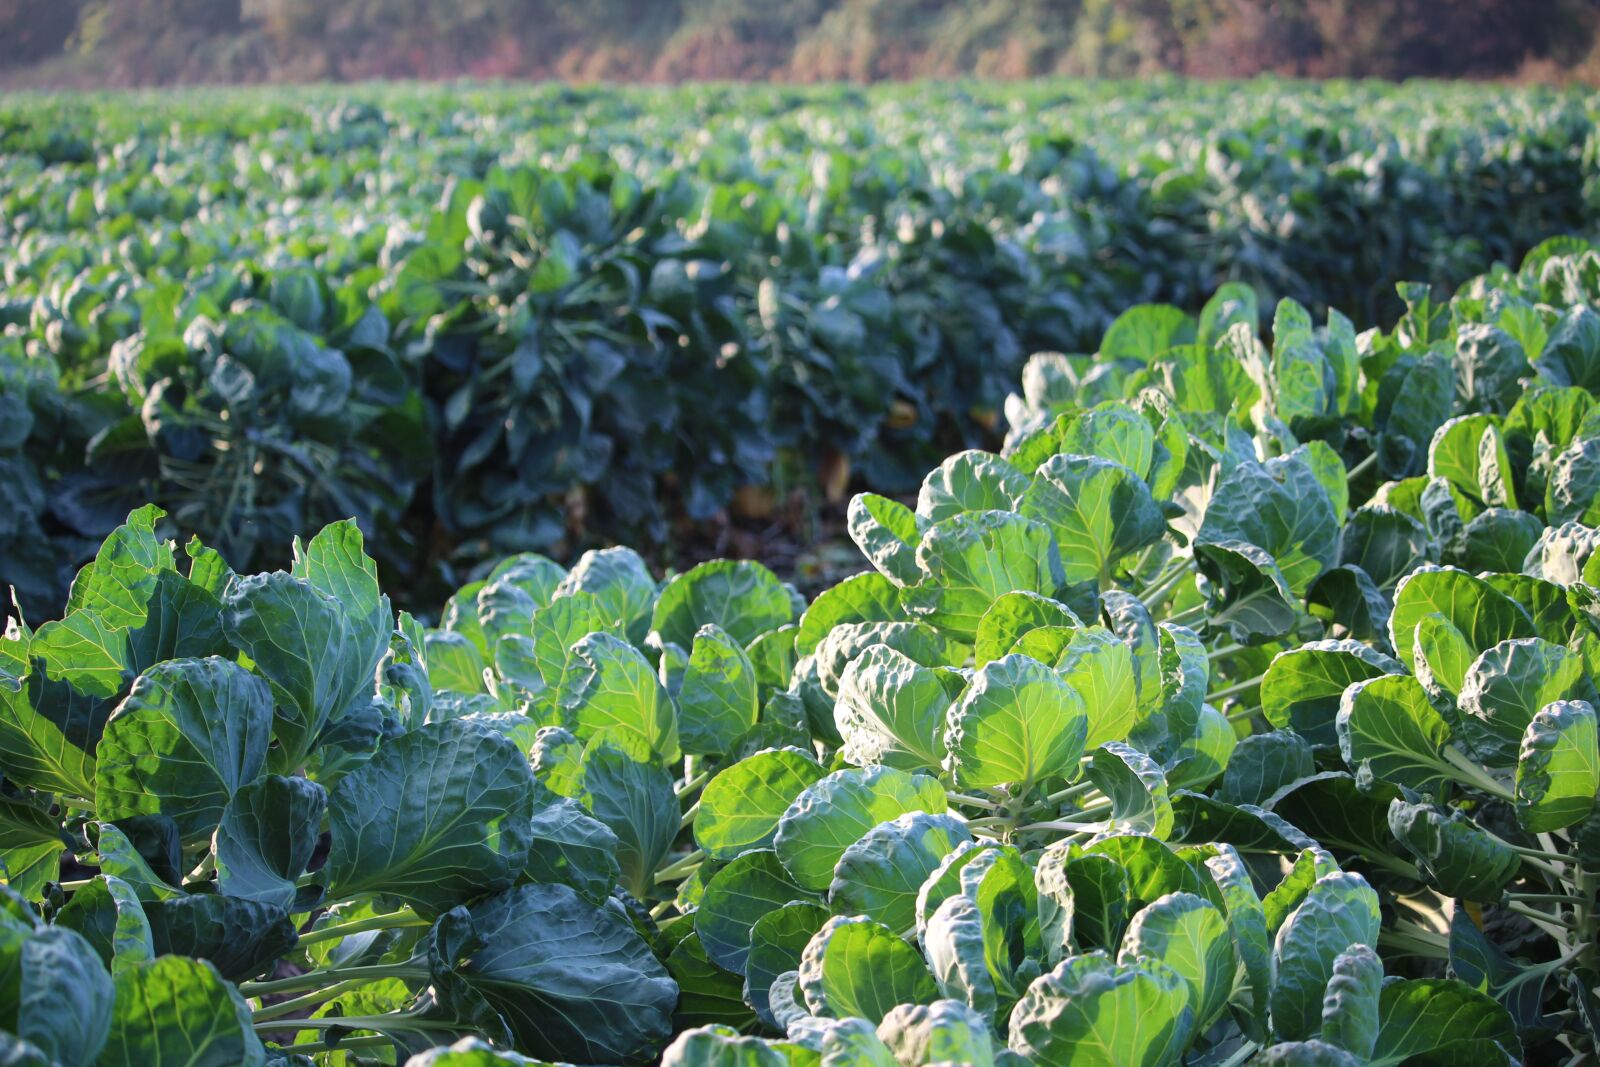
(488, 320)
(1240, 709)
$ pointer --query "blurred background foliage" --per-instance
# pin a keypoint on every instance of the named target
(148, 42)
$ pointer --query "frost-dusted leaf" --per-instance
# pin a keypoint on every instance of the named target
(436, 816)
(835, 812)
(858, 968)
(1092, 1012)
(613, 692)
(971, 560)
(1017, 723)
(891, 709)
(266, 837)
(741, 806)
(1012, 616)
(1098, 511)
(717, 702)
(970, 481)
(1135, 786)
(742, 597)
(1190, 935)
(177, 1012)
(569, 981)
(879, 876)
(1389, 731)
(1507, 686)
(887, 532)
(1350, 1003)
(1558, 767)
(866, 597)
(1455, 856)
(777, 940)
(1340, 910)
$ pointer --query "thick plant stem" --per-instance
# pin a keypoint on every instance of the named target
(308, 1000)
(365, 1022)
(398, 920)
(681, 868)
(311, 1047)
(330, 975)
(1475, 775)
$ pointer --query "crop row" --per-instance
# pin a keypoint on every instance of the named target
(490, 321)
(1242, 710)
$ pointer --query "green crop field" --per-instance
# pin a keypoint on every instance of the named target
(1213, 681)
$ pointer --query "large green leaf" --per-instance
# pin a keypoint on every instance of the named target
(438, 815)
(190, 734)
(741, 806)
(1340, 910)
(835, 812)
(1018, 723)
(1558, 767)
(177, 1012)
(266, 838)
(969, 561)
(891, 709)
(1098, 510)
(855, 967)
(717, 701)
(880, 875)
(737, 896)
(1092, 1012)
(742, 597)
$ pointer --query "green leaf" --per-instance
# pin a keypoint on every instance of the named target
(177, 1012)
(623, 589)
(1018, 723)
(1012, 616)
(614, 693)
(111, 917)
(336, 565)
(740, 596)
(436, 816)
(297, 638)
(116, 587)
(738, 895)
(887, 533)
(241, 938)
(1340, 910)
(1247, 922)
(573, 848)
(1558, 767)
(1091, 1012)
(1264, 763)
(1507, 685)
(891, 710)
(866, 597)
(1456, 857)
(777, 941)
(1389, 731)
(567, 980)
(835, 812)
(634, 797)
(880, 875)
(719, 1045)
(266, 838)
(1284, 511)
(1482, 614)
(190, 734)
(1386, 543)
(741, 806)
(970, 561)
(945, 1031)
(970, 481)
(1101, 668)
(1190, 935)
(706, 992)
(857, 968)
(1425, 1017)
(59, 995)
(717, 702)
(1135, 786)
(1350, 1004)
(1098, 510)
